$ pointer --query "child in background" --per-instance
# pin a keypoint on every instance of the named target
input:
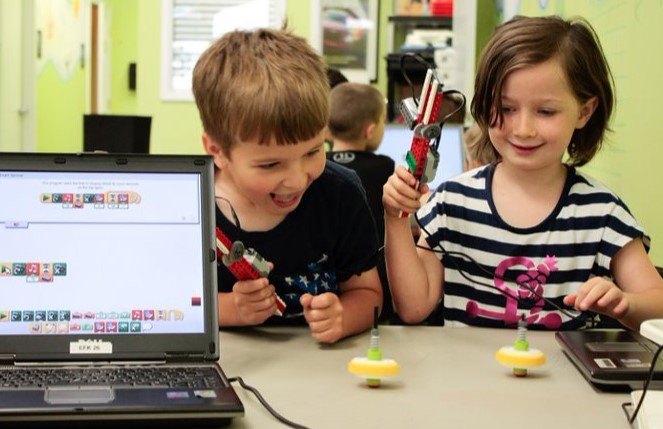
(263, 98)
(531, 225)
(356, 125)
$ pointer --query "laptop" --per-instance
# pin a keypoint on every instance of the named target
(107, 265)
(612, 359)
(398, 139)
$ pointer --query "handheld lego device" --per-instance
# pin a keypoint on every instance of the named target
(245, 263)
(520, 356)
(373, 368)
(423, 157)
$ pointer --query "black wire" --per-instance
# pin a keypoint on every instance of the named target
(463, 100)
(443, 251)
(265, 404)
(420, 59)
(232, 210)
(625, 405)
(436, 141)
(480, 283)
(650, 376)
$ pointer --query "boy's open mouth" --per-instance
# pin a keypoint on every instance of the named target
(285, 200)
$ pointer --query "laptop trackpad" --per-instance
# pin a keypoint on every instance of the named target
(79, 395)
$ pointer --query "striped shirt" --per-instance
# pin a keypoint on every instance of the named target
(516, 267)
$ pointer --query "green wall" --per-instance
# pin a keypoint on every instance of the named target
(175, 125)
(61, 75)
(62, 96)
(630, 162)
(123, 17)
(60, 108)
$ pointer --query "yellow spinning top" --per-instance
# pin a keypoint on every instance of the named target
(373, 367)
(519, 356)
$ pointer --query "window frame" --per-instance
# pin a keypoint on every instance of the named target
(168, 91)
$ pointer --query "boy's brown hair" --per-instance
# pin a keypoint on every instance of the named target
(261, 84)
(526, 41)
(353, 106)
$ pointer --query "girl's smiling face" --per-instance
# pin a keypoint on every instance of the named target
(540, 115)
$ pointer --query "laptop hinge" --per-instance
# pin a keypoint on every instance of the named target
(7, 359)
(89, 363)
(184, 357)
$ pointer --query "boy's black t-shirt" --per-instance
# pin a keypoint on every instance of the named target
(328, 238)
(373, 170)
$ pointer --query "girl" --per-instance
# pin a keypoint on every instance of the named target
(527, 237)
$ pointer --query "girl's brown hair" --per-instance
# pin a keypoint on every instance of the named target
(526, 41)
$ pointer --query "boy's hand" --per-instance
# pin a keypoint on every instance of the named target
(399, 194)
(600, 295)
(255, 300)
(324, 314)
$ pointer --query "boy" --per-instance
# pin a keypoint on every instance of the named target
(263, 101)
(356, 126)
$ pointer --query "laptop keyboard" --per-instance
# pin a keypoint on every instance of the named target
(118, 377)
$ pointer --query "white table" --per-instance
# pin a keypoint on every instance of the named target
(449, 379)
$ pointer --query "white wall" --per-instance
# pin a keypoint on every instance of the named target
(16, 87)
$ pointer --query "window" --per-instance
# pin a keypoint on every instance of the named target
(189, 26)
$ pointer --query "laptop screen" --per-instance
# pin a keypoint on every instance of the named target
(398, 138)
(101, 253)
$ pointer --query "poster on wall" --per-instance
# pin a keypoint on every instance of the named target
(345, 32)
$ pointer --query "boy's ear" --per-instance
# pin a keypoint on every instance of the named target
(213, 148)
(586, 111)
(370, 128)
(210, 146)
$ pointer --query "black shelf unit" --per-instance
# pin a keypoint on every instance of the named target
(414, 69)
(427, 21)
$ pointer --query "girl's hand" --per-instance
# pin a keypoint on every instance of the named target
(399, 194)
(600, 295)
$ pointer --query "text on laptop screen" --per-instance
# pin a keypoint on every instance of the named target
(101, 253)
(398, 138)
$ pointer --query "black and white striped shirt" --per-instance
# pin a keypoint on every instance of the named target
(516, 266)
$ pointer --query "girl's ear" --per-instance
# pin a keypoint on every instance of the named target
(586, 111)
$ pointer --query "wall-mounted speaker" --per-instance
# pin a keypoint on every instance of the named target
(116, 133)
(132, 76)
